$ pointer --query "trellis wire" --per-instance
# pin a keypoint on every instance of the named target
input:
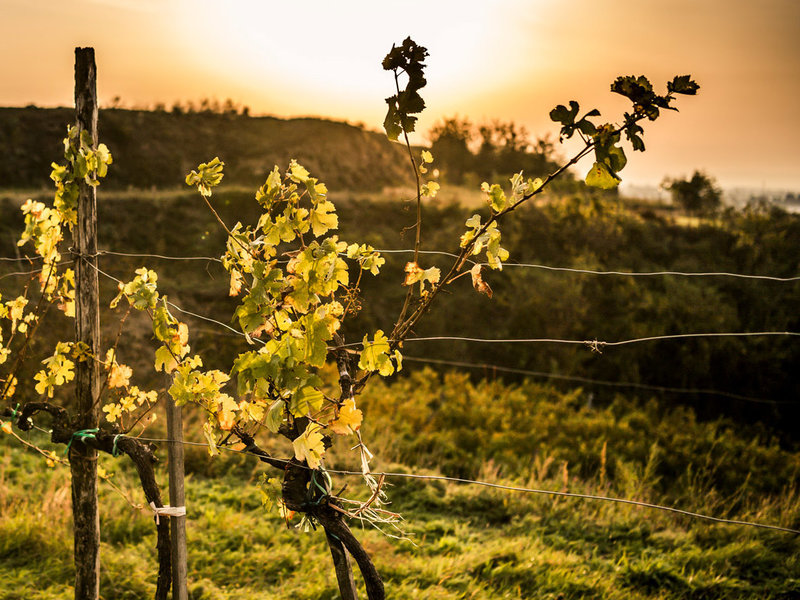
(597, 345)
(516, 489)
(506, 264)
(598, 272)
(643, 386)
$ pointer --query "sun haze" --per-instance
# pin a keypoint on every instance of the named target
(505, 59)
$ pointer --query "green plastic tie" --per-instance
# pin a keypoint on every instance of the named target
(325, 490)
(15, 411)
(114, 451)
(83, 434)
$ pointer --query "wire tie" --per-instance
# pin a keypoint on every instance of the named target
(83, 434)
(325, 490)
(114, 451)
(167, 511)
(15, 411)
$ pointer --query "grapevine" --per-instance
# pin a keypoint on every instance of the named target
(296, 283)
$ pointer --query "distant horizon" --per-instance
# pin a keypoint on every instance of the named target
(651, 188)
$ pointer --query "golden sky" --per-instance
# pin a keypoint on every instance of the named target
(499, 59)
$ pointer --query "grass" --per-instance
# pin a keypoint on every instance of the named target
(465, 541)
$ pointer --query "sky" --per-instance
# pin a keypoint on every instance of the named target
(511, 60)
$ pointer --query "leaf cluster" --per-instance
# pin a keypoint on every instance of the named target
(408, 58)
(604, 139)
(290, 274)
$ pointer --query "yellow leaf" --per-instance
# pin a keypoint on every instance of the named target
(349, 419)
(113, 412)
(226, 415)
(236, 283)
(119, 376)
(430, 189)
(309, 446)
(415, 273)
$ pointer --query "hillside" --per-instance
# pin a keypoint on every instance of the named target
(750, 379)
(157, 149)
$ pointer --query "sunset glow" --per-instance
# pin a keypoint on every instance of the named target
(506, 59)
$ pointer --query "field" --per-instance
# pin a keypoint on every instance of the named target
(465, 541)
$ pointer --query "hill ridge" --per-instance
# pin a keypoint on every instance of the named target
(157, 149)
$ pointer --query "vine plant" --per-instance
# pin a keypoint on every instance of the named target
(297, 284)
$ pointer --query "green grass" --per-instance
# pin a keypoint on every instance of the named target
(466, 541)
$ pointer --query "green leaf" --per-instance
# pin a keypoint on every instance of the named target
(306, 401)
(565, 116)
(637, 89)
(164, 360)
(683, 84)
(408, 58)
(495, 196)
(315, 336)
(392, 122)
(297, 172)
(599, 176)
(375, 355)
(207, 176)
(268, 193)
(323, 218)
(616, 158)
(633, 132)
(275, 416)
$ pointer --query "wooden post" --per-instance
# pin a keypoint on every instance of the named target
(83, 460)
(176, 498)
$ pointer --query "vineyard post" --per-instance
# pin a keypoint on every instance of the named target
(176, 498)
(82, 459)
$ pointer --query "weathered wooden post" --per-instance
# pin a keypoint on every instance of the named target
(82, 459)
(176, 498)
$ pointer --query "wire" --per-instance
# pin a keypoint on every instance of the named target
(642, 386)
(161, 256)
(20, 273)
(512, 489)
(34, 272)
(210, 320)
(652, 273)
(593, 344)
(188, 312)
(439, 252)
(619, 273)
(20, 259)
